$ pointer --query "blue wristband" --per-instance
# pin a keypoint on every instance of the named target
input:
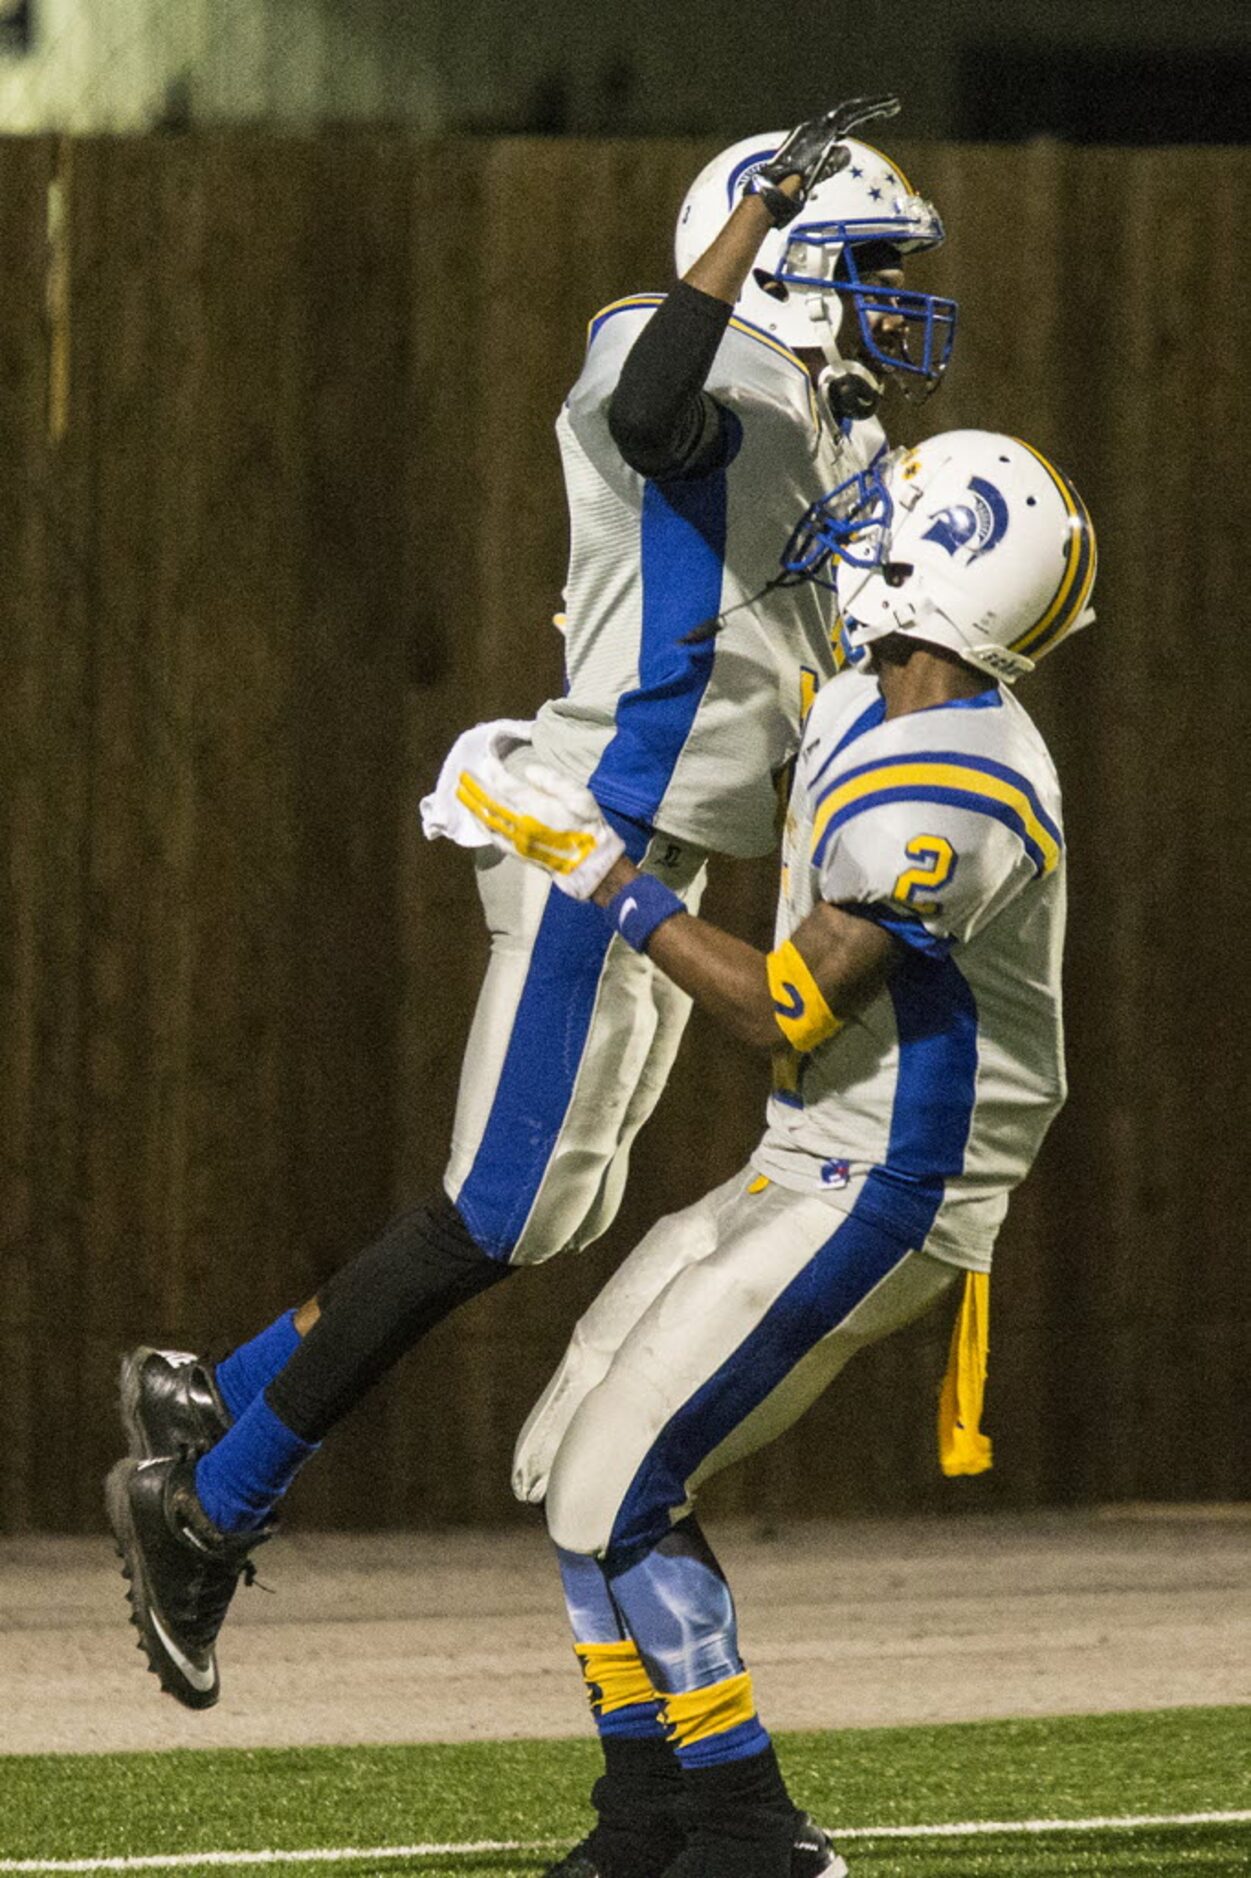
(637, 909)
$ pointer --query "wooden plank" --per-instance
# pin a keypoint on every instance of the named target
(64, 643)
(36, 741)
(350, 661)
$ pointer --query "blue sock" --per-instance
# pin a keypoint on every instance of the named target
(241, 1479)
(242, 1375)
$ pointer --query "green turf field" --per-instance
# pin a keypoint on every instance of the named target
(883, 1787)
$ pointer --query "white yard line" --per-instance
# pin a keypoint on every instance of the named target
(344, 1854)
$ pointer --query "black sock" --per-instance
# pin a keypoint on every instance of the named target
(640, 1805)
(750, 1786)
(375, 1309)
(742, 1821)
(642, 1772)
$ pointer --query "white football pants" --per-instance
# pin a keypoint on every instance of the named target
(572, 1042)
(713, 1337)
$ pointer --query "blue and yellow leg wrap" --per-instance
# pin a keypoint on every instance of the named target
(619, 1689)
(714, 1724)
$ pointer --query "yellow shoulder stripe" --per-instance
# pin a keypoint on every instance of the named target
(622, 306)
(763, 338)
(965, 778)
(640, 301)
(766, 339)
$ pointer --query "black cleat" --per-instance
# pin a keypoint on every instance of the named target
(619, 1852)
(812, 1856)
(182, 1571)
(169, 1403)
(583, 1860)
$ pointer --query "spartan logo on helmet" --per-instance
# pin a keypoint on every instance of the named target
(977, 526)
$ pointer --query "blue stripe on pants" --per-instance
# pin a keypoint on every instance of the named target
(541, 1064)
(540, 1068)
(936, 1023)
(838, 1277)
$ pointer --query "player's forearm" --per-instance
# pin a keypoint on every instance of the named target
(723, 267)
(660, 417)
(726, 977)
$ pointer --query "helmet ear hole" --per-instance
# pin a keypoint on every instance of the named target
(895, 573)
(770, 284)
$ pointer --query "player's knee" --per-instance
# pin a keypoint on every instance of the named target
(579, 1513)
(753, 1294)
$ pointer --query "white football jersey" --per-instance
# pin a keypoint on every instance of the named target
(690, 738)
(931, 1105)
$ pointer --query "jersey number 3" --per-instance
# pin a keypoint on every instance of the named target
(935, 860)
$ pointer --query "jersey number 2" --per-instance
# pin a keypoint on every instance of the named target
(936, 863)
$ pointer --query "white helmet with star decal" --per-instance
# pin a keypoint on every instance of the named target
(972, 541)
(807, 271)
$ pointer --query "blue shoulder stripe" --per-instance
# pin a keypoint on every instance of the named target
(953, 798)
(955, 777)
(633, 303)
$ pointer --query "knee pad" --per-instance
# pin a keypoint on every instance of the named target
(578, 1520)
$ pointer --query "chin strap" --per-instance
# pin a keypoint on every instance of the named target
(850, 389)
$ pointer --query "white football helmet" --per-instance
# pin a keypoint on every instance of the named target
(807, 271)
(972, 541)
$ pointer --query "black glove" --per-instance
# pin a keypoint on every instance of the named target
(812, 152)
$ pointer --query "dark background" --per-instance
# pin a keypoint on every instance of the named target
(1138, 72)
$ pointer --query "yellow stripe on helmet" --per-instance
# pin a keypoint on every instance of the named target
(890, 164)
(1078, 577)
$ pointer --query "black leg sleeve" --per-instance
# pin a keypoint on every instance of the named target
(376, 1308)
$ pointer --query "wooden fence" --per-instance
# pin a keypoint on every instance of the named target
(281, 513)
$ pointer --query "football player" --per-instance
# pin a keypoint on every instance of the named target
(701, 424)
(912, 1003)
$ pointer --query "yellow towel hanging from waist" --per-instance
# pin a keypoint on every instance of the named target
(962, 1447)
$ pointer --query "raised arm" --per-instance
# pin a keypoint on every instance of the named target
(662, 420)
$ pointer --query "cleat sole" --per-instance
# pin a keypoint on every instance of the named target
(126, 1545)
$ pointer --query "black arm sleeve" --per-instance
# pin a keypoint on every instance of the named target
(660, 417)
